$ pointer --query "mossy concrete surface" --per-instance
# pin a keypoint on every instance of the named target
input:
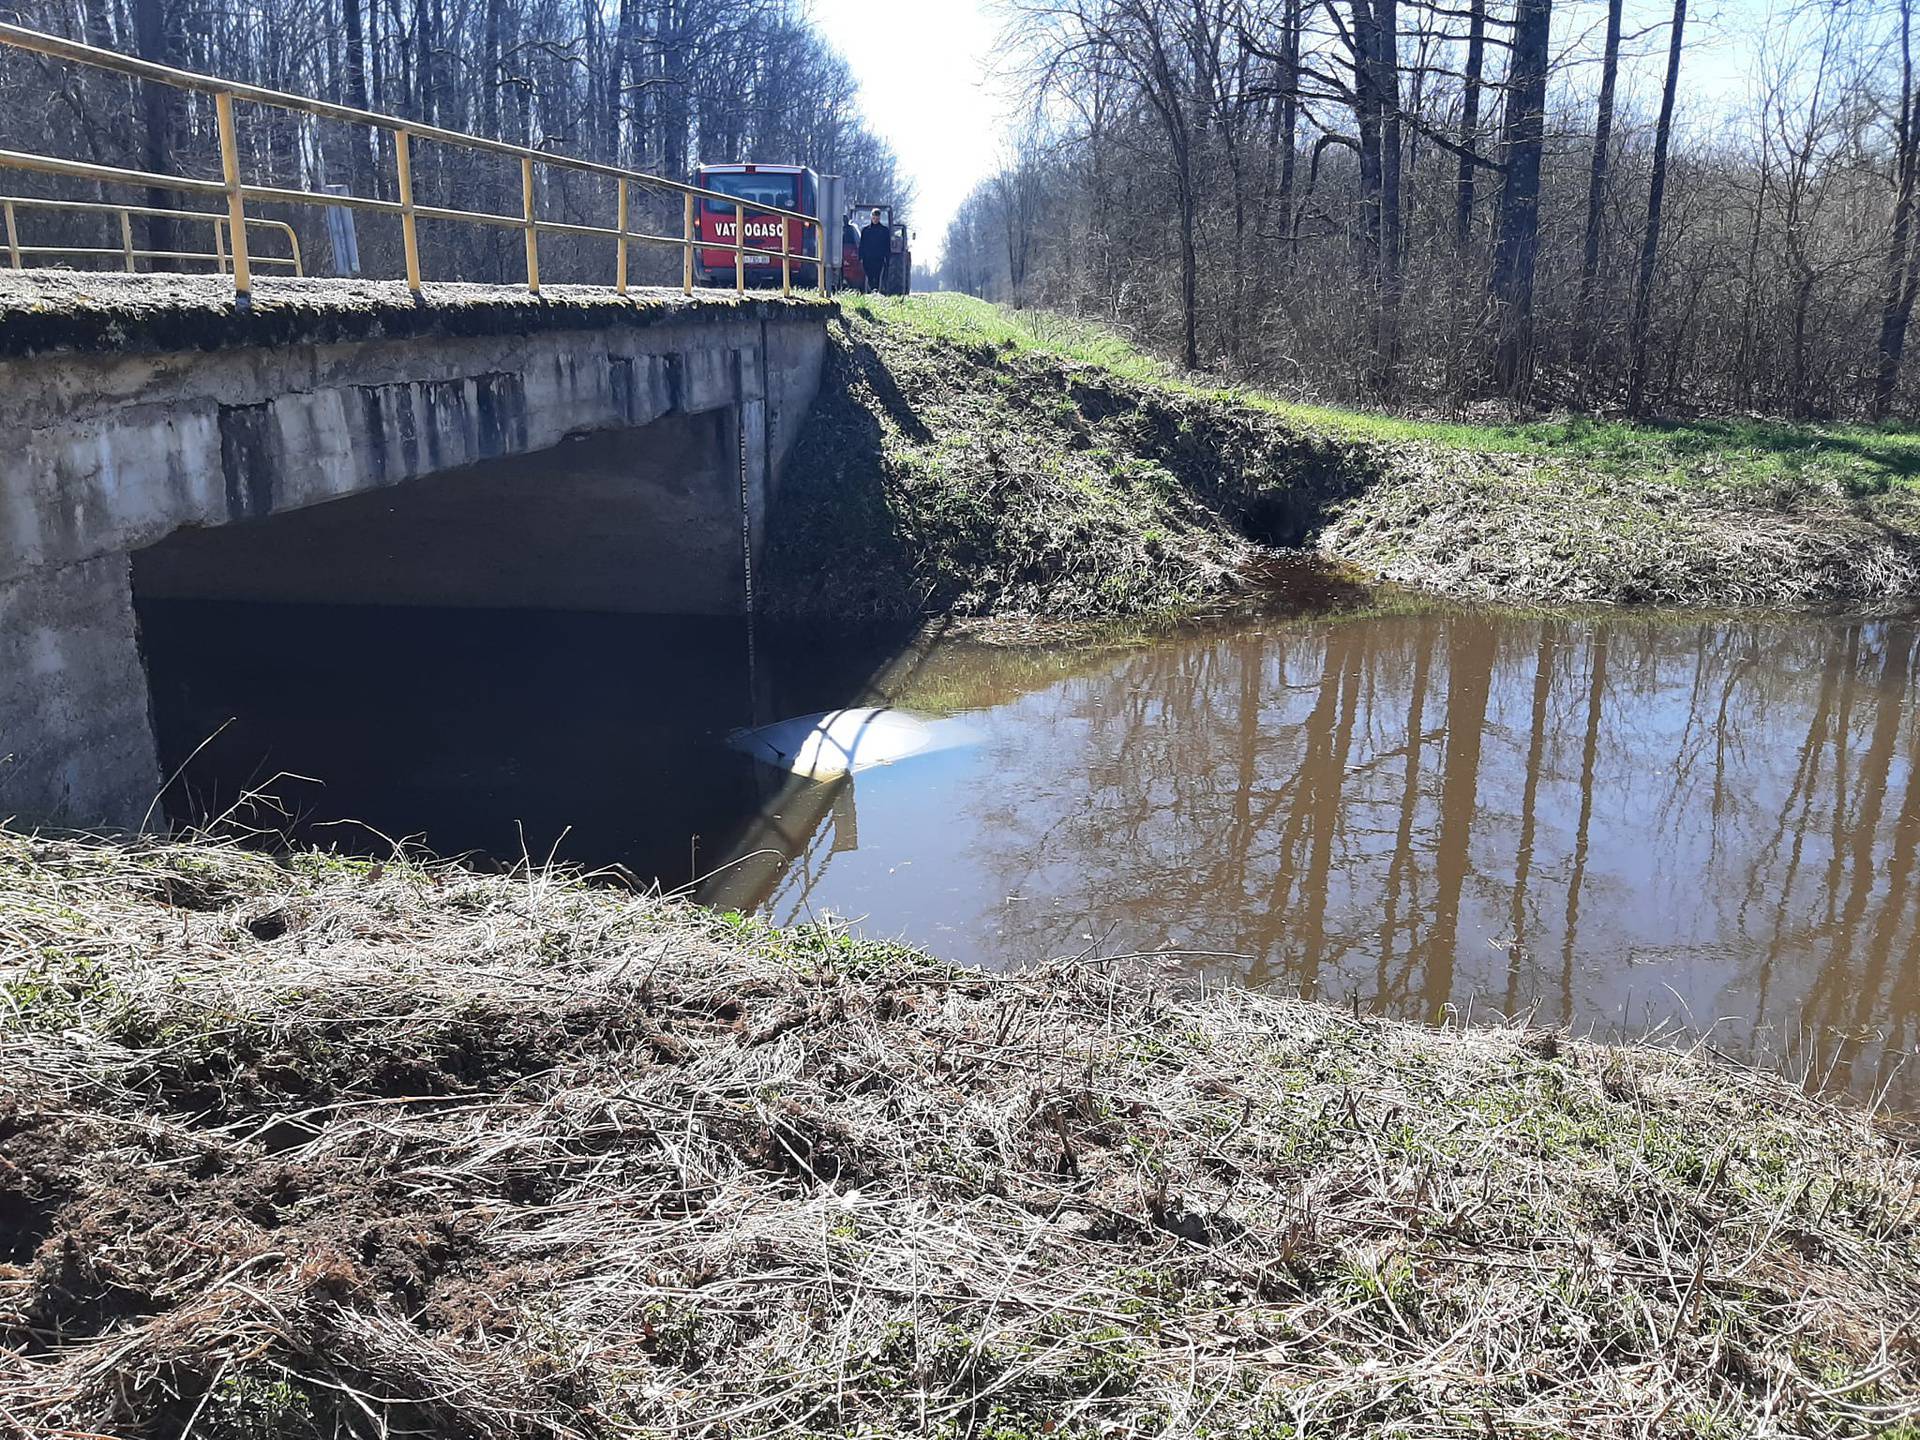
(50, 311)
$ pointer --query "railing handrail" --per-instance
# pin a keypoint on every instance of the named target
(62, 48)
(16, 249)
(237, 192)
(54, 202)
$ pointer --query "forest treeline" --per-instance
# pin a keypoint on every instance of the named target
(1430, 202)
(654, 85)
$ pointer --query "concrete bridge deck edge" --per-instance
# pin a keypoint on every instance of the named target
(112, 446)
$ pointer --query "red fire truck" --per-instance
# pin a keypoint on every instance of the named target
(783, 187)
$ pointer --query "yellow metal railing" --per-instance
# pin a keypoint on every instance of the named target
(17, 252)
(233, 189)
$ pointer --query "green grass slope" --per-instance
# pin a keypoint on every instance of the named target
(967, 459)
(946, 470)
(1861, 460)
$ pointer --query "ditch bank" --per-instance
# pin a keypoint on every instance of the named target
(936, 476)
(958, 464)
(307, 1147)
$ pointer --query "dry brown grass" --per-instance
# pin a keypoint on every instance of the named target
(1505, 528)
(314, 1147)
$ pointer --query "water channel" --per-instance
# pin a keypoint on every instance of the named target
(1628, 823)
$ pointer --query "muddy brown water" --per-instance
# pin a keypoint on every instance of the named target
(1629, 824)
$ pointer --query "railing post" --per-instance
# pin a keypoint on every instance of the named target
(409, 235)
(686, 248)
(533, 234)
(786, 258)
(739, 250)
(126, 239)
(13, 238)
(236, 204)
(220, 247)
(821, 226)
(620, 269)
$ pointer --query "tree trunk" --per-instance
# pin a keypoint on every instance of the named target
(356, 58)
(1597, 184)
(1289, 115)
(490, 70)
(1650, 246)
(1366, 118)
(426, 86)
(1469, 121)
(1744, 362)
(355, 67)
(1903, 255)
(1167, 96)
(99, 25)
(676, 113)
(159, 112)
(1516, 245)
(1189, 271)
(1386, 90)
(1799, 398)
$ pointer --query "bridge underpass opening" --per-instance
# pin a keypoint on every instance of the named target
(640, 521)
(540, 654)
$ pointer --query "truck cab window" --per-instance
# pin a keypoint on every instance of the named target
(769, 190)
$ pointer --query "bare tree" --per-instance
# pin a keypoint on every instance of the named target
(1597, 178)
(1019, 189)
(1516, 240)
(1656, 195)
(1903, 253)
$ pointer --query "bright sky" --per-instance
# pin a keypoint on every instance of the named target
(922, 66)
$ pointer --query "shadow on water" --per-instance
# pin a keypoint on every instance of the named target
(596, 738)
(1619, 823)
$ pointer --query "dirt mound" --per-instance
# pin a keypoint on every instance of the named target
(453, 1155)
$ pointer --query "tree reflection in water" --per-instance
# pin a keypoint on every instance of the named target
(1616, 823)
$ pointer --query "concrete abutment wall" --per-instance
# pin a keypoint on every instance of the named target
(593, 468)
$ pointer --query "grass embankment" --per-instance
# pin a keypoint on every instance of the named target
(307, 1148)
(944, 473)
(967, 458)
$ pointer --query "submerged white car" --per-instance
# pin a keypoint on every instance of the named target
(841, 742)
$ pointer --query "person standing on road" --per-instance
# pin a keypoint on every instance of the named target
(876, 243)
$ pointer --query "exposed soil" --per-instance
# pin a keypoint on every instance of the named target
(938, 478)
(452, 1155)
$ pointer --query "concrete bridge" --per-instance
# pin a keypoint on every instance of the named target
(343, 441)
